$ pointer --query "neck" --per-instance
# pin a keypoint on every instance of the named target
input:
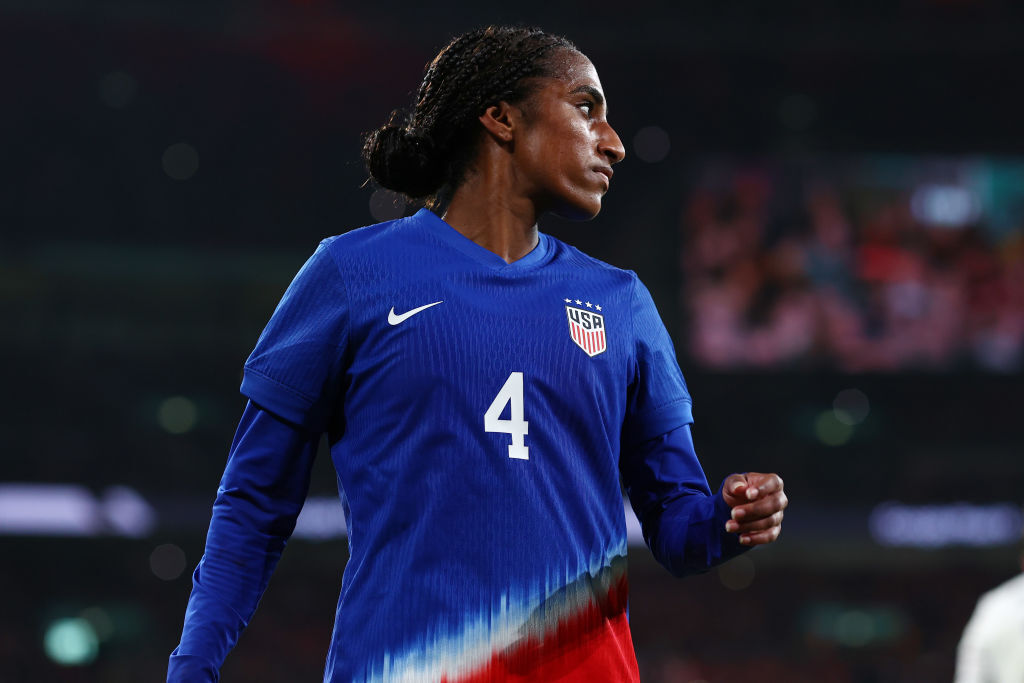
(486, 210)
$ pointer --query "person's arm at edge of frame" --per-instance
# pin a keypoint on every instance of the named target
(688, 529)
(259, 498)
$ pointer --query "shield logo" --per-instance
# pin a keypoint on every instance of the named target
(587, 329)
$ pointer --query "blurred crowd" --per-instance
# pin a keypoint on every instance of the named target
(791, 270)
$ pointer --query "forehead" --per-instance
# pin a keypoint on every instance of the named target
(573, 69)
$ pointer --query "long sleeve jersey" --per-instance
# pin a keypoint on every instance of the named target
(480, 417)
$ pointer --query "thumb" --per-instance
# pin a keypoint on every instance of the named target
(734, 489)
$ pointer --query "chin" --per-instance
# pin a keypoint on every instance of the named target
(579, 210)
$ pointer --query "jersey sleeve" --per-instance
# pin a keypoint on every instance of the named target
(295, 368)
(658, 399)
(682, 521)
(259, 498)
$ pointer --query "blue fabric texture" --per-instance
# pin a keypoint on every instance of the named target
(479, 443)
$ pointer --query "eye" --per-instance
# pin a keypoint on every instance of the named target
(587, 107)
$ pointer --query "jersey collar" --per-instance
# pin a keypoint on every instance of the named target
(456, 239)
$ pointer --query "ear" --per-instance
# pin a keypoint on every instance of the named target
(501, 121)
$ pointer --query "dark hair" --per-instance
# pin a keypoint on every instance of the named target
(425, 153)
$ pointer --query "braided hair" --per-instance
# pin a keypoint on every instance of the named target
(425, 154)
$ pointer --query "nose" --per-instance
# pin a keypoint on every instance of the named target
(610, 145)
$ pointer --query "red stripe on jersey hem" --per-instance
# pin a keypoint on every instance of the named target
(592, 646)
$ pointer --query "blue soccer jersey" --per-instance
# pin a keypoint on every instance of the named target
(479, 414)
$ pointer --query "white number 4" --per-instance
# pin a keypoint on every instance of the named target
(511, 394)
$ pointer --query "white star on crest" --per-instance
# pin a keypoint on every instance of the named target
(568, 301)
(590, 305)
(599, 308)
(578, 302)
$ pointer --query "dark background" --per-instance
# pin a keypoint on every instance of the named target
(167, 167)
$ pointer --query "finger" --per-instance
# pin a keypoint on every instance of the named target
(761, 537)
(733, 489)
(735, 484)
(732, 526)
(759, 509)
(764, 483)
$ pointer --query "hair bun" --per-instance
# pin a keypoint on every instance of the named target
(402, 161)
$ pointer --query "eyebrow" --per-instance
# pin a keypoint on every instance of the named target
(592, 91)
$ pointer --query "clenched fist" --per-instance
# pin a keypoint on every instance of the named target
(757, 501)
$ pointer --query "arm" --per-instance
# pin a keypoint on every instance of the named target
(688, 529)
(683, 523)
(260, 496)
(293, 381)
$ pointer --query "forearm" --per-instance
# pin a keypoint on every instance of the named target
(226, 587)
(683, 522)
(688, 536)
(260, 496)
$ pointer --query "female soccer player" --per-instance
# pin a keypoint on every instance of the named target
(483, 388)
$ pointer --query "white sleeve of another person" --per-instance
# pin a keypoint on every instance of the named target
(992, 647)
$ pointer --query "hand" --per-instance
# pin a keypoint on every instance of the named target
(757, 501)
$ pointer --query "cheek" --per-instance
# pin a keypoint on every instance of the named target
(574, 150)
(540, 155)
(581, 139)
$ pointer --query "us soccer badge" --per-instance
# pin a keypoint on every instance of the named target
(586, 327)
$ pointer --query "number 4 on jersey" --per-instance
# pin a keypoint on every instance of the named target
(511, 394)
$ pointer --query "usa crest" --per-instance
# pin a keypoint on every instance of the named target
(587, 329)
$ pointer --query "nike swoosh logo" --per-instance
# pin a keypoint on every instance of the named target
(398, 319)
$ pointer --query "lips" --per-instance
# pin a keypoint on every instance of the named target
(606, 171)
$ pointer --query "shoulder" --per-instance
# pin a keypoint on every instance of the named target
(1008, 592)
(995, 627)
(370, 237)
(575, 258)
(999, 606)
(626, 283)
(367, 252)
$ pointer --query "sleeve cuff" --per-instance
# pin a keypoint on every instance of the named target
(182, 668)
(657, 422)
(282, 400)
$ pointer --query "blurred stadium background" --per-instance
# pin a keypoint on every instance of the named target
(826, 199)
